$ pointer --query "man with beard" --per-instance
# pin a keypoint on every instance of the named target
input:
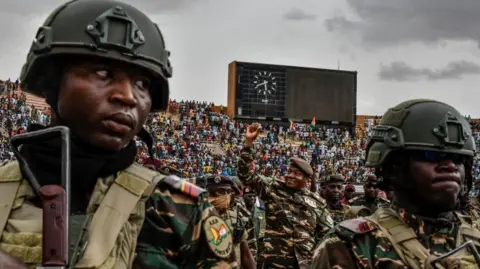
(370, 197)
(102, 67)
(295, 218)
(221, 192)
(423, 151)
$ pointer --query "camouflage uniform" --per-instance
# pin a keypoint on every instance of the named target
(371, 203)
(249, 214)
(259, 224)
(178, 223)
(170, 223)
(236, 223)
(295, 220)
(395, 237)
(360, 243)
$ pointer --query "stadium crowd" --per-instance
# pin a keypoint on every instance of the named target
(198, 140)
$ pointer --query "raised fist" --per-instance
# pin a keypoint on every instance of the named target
(253, 130)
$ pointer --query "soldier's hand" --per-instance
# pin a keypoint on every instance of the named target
(253, 130)
(10, 262)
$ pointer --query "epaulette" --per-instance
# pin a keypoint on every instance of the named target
(183, 186)
(357, 226)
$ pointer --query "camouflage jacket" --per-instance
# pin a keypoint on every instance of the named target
(340, 214)
(232, 217)
(295, 220)
(372, 204)
(182, 230)
(364, 243)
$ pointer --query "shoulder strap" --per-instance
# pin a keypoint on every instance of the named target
(403, 238)
(131, 186)
(10, 180)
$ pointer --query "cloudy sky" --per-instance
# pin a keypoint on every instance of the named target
(401, 48)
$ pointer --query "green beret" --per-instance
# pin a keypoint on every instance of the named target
(303, 165)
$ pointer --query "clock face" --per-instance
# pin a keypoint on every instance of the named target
(264, 83)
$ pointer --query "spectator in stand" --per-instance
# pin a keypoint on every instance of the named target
(183, 134)
(15, 115)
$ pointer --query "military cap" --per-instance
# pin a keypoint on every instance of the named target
(303, 165)
(218, 180)
(248, 190)
(334, 179)
(350, 187)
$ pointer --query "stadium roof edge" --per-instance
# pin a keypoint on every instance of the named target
(298, 67)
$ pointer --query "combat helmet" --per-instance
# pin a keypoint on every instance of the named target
(100, 28)
(420, 124)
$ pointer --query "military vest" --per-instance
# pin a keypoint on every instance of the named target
(117, 207)
(405, 241)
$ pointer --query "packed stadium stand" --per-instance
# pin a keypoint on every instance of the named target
(199, 138)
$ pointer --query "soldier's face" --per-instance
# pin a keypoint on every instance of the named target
(295, 178)
(438, 178)
(333, 192)
(249, 199)
(104, 103)
(371, 190)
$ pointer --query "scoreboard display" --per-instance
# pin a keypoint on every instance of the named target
(264, 91)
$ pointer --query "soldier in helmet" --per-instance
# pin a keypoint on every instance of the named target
(370, 198)
(295, 217)
(102, 67)
(222, 191)
(423, 151)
